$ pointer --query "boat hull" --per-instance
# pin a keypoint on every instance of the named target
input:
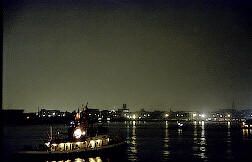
(61, 155)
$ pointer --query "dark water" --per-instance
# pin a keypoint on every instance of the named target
(153, 141)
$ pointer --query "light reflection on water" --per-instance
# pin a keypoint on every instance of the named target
(132, 149)
(199, 142)
(180, 131)
(166, 142)
(229, 141)
(91, 159)
(229, 124)
(246, 133)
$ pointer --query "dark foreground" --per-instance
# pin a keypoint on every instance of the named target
(149, 141)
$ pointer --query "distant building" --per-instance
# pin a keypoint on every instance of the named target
(50, 113)
(157, 115)
(184, 115)
(144, 115)
(225, 115)
(93, 114)
(124, 112)
(104, 115)
(246, 114)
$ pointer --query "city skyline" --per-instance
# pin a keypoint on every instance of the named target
(190, 55)
(134, 108)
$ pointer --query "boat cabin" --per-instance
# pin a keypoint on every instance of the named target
(89, 143)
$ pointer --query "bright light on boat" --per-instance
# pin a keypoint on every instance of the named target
(77, 133)
(83, 133)
(78, 160)
(47, 144)
(92, 143)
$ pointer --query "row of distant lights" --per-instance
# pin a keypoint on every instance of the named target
(203, 115)
(134, 116)
(200, 115)
(194, 115)
(167, 115)
(145, 115)
(53, 114)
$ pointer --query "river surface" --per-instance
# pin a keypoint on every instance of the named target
(152, 141)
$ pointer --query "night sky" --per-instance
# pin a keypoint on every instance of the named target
(157, 55)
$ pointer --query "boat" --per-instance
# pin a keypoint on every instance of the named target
(81, 142)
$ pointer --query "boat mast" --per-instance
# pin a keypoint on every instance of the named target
(50, 133)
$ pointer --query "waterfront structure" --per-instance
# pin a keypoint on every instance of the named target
(107, 115)
(124, 112)
(144, 115)
(246, 114)
(225, 115)
(247, 124)
(93, 114)
(44, 113)
(184, 115)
